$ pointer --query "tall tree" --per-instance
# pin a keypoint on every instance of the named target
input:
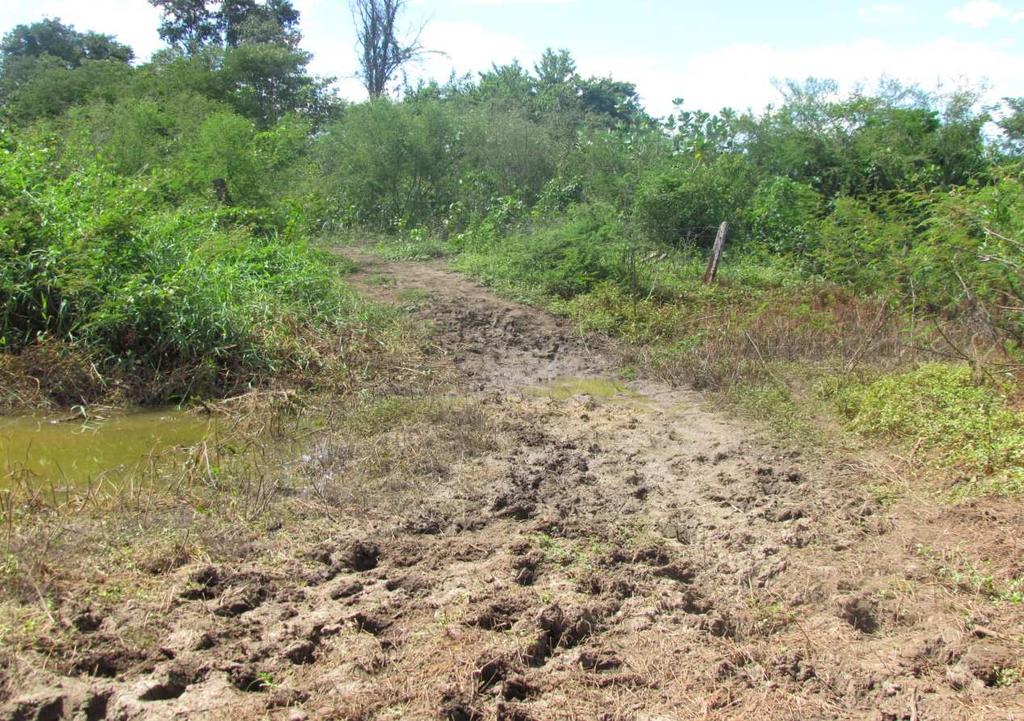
(381, 52)
(52, 38)
(1012, 124)
(274, 22)
(47, 53)
(190, 25)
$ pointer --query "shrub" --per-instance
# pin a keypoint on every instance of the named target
(563, 259)
(684, 201)
(99, 260)
(784, 216)
(863, 247)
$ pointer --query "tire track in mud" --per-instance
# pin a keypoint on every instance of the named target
(632, 555)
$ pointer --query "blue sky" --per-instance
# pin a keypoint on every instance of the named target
(713, 55)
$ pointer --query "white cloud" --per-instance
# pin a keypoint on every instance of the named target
(740, 75)
(881, 12)
(979, 14)
(494, 3)
(469, 47)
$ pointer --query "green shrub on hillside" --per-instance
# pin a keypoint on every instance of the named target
(684, 201)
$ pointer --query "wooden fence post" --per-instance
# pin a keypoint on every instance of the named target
(716, 254)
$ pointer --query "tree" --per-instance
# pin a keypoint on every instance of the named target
(275, 22)
(381, 52)
(190, 25)
(1012, 124)
(267, 81)
(46, 66)
(52, 38)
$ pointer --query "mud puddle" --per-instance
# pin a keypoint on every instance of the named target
(70, 450)
(562, 389)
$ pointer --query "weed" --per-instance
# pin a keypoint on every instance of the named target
(265, 681)
(883, 494)
(417, 246)
(381, 279)
(963, 573)
(1008, 677)
(943, 407)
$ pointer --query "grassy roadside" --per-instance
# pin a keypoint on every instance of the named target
(817, 363)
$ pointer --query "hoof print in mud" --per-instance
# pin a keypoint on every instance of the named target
(368, 623)
(48, 705)
(525, 568)
(989, 662)
(359, 556)
(301, 652)
(247, 678)
(202, 584)
(517, 688)
(513, 712)
(496, 616)
(681, 572)
(490, 672)
(514, 506)
(243, 598)
(345, 589)
(860, 613)
(169, 683)
(599, 660)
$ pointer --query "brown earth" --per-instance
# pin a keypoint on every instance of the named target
(634, 554)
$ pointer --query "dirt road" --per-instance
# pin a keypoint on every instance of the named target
(610, 550)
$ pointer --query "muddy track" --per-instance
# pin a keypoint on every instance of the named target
(626, 555)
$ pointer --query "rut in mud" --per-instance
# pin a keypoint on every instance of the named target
(627, 553)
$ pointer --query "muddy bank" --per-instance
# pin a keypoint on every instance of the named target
(602, 549)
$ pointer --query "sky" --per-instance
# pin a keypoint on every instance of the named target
(713, 55)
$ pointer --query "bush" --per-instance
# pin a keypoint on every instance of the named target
(683, 202)
(98, 259)
(940, 406)
(863, 247)
(563, 259)
(784, 217)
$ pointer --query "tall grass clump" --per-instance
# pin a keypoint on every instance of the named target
(95, 260)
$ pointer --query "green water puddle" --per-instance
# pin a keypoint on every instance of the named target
(47, 450)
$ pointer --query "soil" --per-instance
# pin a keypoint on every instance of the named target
(640, 555)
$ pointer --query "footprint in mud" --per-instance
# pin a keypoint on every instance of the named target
(373, 624)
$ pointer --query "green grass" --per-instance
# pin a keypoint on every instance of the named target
(418, 247)
(968, 423)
